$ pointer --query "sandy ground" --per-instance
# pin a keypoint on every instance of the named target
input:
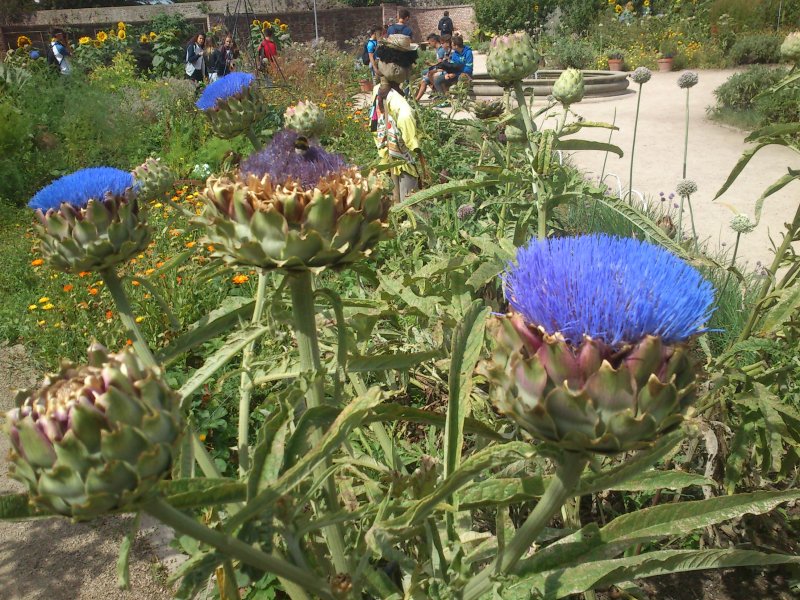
(54, 559)
(713, 151)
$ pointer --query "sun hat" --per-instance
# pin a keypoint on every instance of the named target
(398, 41)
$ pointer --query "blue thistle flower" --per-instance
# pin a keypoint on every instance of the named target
(81, 186)
(34, 54)
(611, 289)
(223, 88)
(282, 160)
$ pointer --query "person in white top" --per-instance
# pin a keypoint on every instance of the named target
(59, 52)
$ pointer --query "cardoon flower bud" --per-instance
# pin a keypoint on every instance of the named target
(641, 75)
(568, 88)
(790, 48)
(488, 110)
(511, 58)
(153, 178)
(465, 211)
(742, 224)
(97, 437)
(232, 104)
(592, 357)
(687, 80)
(295, 210)
(686, 187)
(306, 118)
(90, 220)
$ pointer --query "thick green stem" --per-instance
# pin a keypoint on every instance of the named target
(302, 292)
(680, 219)
(633, 144)
(561, 488)
(530, 129)
(691, 220)
(686, 135)
(114, 285)
(246, 380)
(501, 224)
(234, 548)
(251, 135)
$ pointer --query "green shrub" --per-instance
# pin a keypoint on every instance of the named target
(740, 89)
(753, 49)
(740, 100)
(578, 54)
(502, 16)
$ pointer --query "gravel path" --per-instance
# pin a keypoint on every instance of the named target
(54, 559)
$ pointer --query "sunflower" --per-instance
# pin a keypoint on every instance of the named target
(121, 25)
(277, 21)
(84, 40)
(153, 35)
(121, 34)
(256, 23)
(284, 27)
(266, 25)
(23, 41)
(102, 36)
(143, 39)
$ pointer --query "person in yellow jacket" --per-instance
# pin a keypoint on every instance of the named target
(393, 120)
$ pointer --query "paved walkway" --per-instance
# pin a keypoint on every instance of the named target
(714, 149)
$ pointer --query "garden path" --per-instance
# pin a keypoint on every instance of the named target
(714, 149)
(54, 559)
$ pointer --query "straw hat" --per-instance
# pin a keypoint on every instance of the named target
(398, 41)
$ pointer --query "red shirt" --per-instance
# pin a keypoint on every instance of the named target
(268, 49)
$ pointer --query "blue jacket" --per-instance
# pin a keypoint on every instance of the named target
(463, 59)
(400, 28)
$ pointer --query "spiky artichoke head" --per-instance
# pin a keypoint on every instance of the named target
(488, 110)
(512, 58)
(90, 220)
(790, 48)
(591, 357)
(306, 118)
(153, 178)
(295, 210)
(568, 88)
(232, 104)
(96, 437)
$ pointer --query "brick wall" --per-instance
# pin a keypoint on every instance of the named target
(426, 20)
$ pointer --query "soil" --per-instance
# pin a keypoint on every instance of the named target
(55, 559)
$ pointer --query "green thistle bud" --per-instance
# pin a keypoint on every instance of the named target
(512, 58)
(153, 179)
(488, 110)
(568, 88)
(94, 438)
(306, 118)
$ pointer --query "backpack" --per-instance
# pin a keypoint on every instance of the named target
(51, 57)
(365, 54)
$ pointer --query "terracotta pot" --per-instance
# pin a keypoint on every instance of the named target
(615, 64)
(366, 85)
(664, 65)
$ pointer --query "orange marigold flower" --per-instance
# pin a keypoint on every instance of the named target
(239, 279)
(210, 247)
(37, 262)
(190, 244)
(84, 273)
(135, 282)
(160, 264)
(202, 437)
(129, 342)
(94, 291)
(109, 314)
(68, 288)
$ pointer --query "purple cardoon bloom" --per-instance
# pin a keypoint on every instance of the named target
(617, 290)
(282, 161)
(81, 186)
(465, 211)
(223, 88)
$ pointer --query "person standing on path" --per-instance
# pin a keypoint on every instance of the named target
(195, 62)
(392, 118)
(268, 50)
(446, 24)
(59, 52)
(370, 48)
(401, 27)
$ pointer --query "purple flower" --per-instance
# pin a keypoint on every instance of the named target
(618, 290)
(81, 186)
(223, 88)
(282, 161)
(465, 211)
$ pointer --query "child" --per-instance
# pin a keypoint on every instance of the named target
(461, 63)
(371, 47)
(442, 47)
(267, 51)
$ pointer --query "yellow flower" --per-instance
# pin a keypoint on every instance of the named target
(202, 437)
(240, 279)
(646, 3)
(323, 105)
(102, 36)
(256, 23)
(617, 9)
(84, 40)
(139, 319)
(32, 307)
(121, 25)
(23, 41)
(44, 299)
(48, 306)
(121, 34)
(277, 21)
(284, 27)
(143, 39)
(153, 35)
(40, 323)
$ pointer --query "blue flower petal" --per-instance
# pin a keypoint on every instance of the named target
(613, 289)
(81, 186)
(223, 88)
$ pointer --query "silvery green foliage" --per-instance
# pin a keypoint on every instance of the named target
(742, 224)
(641, 75)
(686, 187)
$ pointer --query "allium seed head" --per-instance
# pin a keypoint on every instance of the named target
(687, 80)
(742, 224)
(686, 187)
(641, 75)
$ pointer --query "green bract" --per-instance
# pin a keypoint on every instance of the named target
(94, 438)
(306, 118)
(592, 397)
(95, 238)
(334, 223)
(568, 88)
(153, 179)
(512, 58)
(236, 114)
(488, 110)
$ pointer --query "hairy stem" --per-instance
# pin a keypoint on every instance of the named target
(302, 292)
(501, 224)
(686, 135)
(246, 380)
(234, 548)
(680, 219)
(529, 131)
(140, 346)
(561, 488)
(633, 144)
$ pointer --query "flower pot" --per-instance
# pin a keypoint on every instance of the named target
(366, 85)
(664, 65)
(615, 64)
